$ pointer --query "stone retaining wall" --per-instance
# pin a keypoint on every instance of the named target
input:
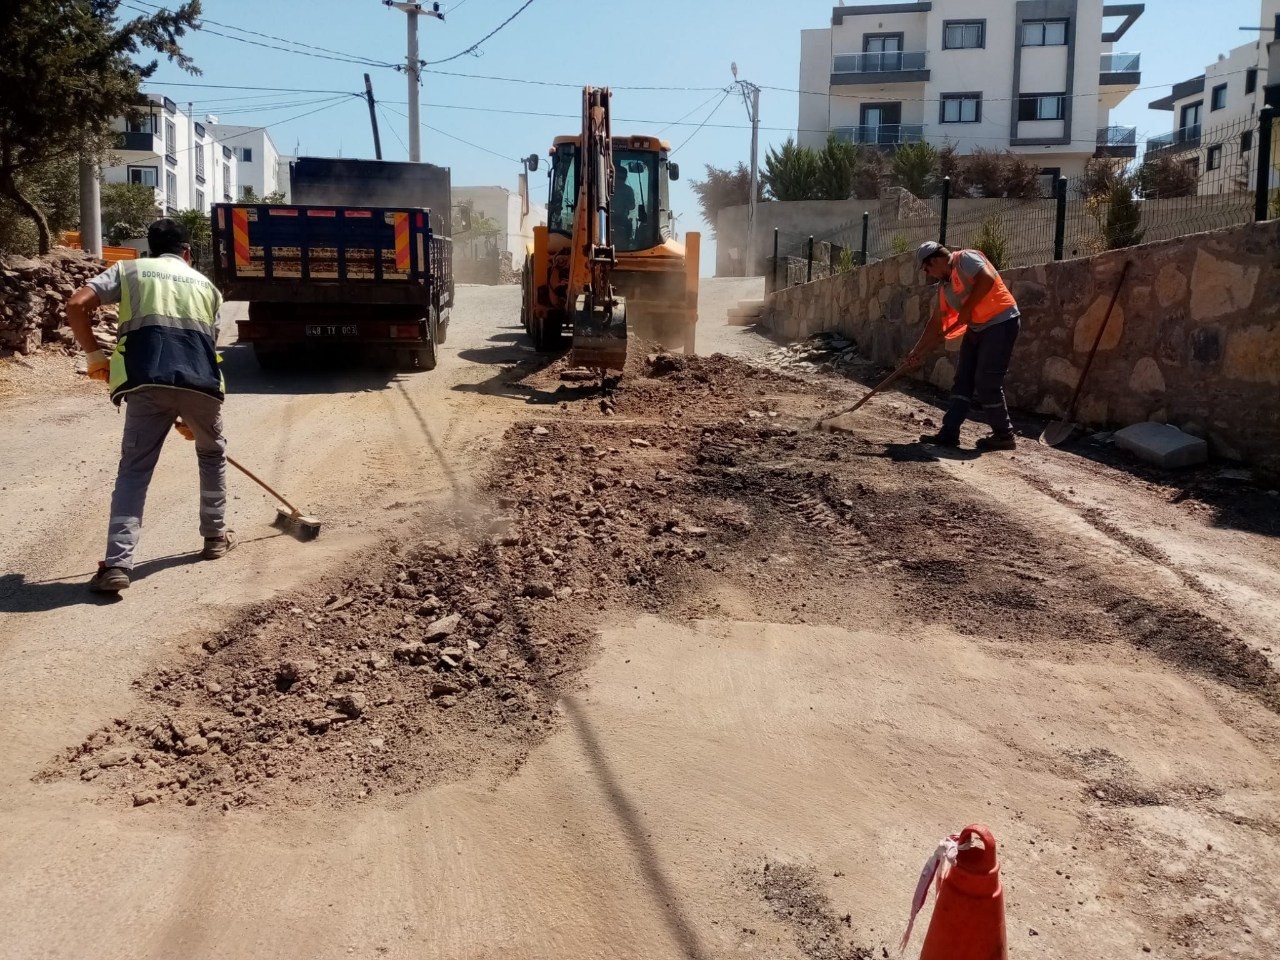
(1194, 340)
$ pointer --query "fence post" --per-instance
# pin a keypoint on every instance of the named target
(1060, 219)
(946, 202)
(775, 258)
(866, 228)
(809, 272)
(1262, 197)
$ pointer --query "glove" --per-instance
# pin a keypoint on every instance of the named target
(99, 366)
(183, 429)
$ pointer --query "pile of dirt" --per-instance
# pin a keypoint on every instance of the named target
(795, 896)
(445, 659)
(33, 298)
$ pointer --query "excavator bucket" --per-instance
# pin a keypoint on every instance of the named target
(600, 335)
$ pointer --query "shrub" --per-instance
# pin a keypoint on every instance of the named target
(992, 241)
(200, 230)
(1100, 177)
(837, 175)
(1163, 177)
(899, 245)
(1122, 227)
(791, 173)
(915, 169)
(1001, 173)
(952, 164)
(847, 260)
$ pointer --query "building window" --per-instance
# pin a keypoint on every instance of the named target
(964, 34)
(961, 108)
(1044, 33)
(1251, 80)
(1219, 100)
(226, 182)
(1042, 106)
(199, 199)
(1191, 115)
(146, 124)
(170, 139)
(144, 176)
(1246, 141)
(200, 162)
(1213, 160)
(171, 190)
(244, 154)
(882, 51)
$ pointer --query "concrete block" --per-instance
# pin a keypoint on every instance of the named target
(1162, 444)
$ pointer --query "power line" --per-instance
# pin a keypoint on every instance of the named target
(476, 46)
(391, 126)
(703, 123)
(526, 81)
(323, 53)
(443, 133)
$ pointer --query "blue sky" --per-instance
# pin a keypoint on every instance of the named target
(620, 43)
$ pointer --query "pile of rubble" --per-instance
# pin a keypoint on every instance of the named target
(820, 353)
(33, 301)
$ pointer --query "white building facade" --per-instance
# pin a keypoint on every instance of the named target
(1036, 77)
(174, 154)
(1215, 114)
(257, 159)
(506, 208)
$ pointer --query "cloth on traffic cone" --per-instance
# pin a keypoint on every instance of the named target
(968, 917)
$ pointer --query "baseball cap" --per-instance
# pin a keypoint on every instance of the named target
(927, 250)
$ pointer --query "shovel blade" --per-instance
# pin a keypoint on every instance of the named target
(1057, 433)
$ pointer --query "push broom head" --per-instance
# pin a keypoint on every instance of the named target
(297, 525)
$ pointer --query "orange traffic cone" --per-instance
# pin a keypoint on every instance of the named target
(968, 918)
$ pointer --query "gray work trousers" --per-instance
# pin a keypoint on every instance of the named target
(149, 416)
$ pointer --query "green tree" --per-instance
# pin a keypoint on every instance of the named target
(792, 172)
(723, 188)
(54, 186)
(127, 211)
(67, 70)
(248, 195)
(838, 164)
(1123, 225)
(200, 228)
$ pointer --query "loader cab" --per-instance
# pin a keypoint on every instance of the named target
(641, 202)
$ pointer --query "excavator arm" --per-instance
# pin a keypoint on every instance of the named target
(599, 314)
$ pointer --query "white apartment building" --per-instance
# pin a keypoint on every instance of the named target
(1037, 77)
(257, 159)
(1215, 114)
(174, 154)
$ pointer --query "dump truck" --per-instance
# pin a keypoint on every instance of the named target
(361, 263)
(609, 193)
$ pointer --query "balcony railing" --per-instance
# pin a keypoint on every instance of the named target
(1187, 138)
(1117, 142)
(883, 135)
(891, 62)
(1121, 62)
(142, 142)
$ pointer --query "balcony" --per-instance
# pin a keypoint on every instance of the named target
(1187, 138)
(1117, 142)
(139, 142)
(885, 135)
(1121, 70)
(893, 67)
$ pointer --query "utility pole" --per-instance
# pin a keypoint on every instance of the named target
(90, 206)
(751, 98)
(373, 117)
(413, 68)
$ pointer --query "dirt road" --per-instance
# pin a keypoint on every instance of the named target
(715, 685)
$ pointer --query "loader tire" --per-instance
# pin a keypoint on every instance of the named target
(547, 333)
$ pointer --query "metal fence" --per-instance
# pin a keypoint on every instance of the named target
(1187, 183)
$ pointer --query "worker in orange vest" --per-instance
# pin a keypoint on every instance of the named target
(973, 302)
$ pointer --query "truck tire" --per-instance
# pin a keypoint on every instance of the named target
(526, 293)
(423, 358)
(442, 326)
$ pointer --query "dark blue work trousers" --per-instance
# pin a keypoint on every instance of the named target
(980, 372)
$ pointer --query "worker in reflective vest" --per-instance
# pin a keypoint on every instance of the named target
(973, 302)
(165, 369)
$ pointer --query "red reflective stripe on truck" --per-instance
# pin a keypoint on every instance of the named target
(402, 241)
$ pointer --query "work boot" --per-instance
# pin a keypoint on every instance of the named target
(217, 547)
(941, 439)
(997, 441)
(109, 579)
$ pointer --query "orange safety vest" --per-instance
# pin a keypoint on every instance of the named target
(996, 302)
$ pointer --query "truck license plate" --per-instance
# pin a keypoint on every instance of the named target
(332, 330)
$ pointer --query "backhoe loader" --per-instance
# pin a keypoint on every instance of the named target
(606, 259)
